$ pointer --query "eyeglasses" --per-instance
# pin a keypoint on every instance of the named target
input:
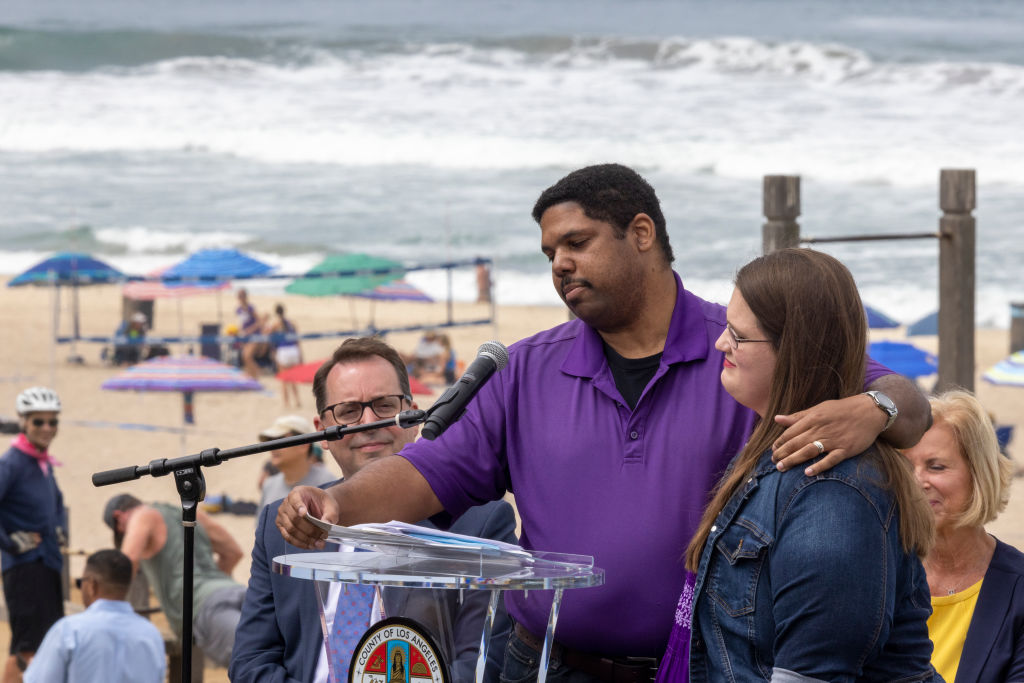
(350, 412)
(735, 340)
(39, 422)
(80, 579)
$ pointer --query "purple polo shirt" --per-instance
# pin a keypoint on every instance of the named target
(593, 477)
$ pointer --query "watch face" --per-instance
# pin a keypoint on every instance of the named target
(885, 402)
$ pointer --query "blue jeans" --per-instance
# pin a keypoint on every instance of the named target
(522, 664)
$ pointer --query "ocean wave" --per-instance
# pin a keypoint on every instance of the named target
(141, 240)
(512, 61)
(80, 50)
(731, 107)
(198, 54)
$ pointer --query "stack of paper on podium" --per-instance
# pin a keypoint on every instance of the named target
(397, 553)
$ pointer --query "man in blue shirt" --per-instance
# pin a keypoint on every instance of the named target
(107, 641)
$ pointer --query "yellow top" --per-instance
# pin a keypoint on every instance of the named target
(947, 627)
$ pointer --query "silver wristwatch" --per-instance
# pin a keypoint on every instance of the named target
(886, 405)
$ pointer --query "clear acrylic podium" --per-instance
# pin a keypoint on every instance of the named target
(397, 564)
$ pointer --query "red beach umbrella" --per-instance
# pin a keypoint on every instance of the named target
(303, 374)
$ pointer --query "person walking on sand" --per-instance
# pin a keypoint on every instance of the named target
(32, 529)
(250, 323)
(287, 353)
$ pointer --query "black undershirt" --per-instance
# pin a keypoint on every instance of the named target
(631, 375)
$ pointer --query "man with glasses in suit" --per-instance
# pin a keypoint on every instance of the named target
(279, 636)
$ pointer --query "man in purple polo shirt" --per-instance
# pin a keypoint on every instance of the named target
(610, 429)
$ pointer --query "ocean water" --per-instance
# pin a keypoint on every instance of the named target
(424, 130)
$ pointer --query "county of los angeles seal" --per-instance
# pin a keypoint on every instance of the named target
(397, 650)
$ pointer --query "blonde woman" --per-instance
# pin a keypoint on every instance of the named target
(976, 580)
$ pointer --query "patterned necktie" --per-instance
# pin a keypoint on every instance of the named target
(351, 619)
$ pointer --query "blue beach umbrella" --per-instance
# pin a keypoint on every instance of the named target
(904, 358)
(68, 269)
(879, 320)
(928, 325)
(216, 265)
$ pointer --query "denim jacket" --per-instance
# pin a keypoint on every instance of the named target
(804, 579)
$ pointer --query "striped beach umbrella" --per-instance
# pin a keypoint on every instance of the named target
(398, 290)
(1007, 372)
(153, 288)
(184, 374)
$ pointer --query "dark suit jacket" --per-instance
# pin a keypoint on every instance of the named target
(994, 649)
(278, 637)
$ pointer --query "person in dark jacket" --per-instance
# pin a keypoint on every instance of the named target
(976, 580)
(32, 524)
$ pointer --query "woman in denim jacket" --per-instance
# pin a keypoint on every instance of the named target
(806, 578)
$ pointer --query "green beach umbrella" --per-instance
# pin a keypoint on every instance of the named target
(368, 272)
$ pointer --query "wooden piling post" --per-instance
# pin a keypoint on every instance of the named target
(1016, 326)
(956, 279)
(781, 200)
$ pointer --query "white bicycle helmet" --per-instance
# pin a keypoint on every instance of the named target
(37, 400)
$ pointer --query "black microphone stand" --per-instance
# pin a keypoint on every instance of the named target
(191, 485)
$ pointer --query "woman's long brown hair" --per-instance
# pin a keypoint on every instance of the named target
(807, 304)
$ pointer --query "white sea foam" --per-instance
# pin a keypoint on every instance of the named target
(140, 240)
(736, 107)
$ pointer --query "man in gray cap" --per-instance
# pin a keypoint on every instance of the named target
(152, 537)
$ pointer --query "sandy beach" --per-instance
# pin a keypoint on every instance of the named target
(90, 439)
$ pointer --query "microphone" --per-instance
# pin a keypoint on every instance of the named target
(490, 357)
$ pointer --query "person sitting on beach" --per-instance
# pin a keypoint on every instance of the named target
(287, 353)
(250, 323)
(779, 555)
(108, 641)
(131, 345)
(426, 359)
(32, 528)
(295, 465)
(976, 580)
(152, 538)
(442, 366)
